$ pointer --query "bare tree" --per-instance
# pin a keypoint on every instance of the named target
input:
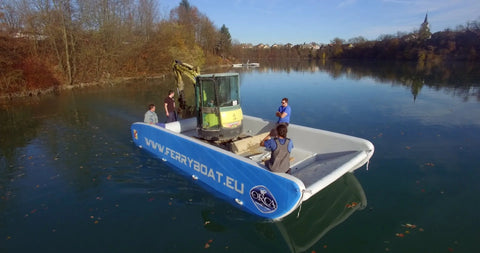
(337, 46)
(147, 14)
(207, 35)
(63, 9)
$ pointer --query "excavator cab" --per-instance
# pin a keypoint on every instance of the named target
(219, 115)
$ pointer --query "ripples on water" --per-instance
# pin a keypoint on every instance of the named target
(71, 179)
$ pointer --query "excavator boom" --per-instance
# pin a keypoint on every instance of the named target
(179, 69)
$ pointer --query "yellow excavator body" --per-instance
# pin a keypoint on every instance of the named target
(217, 102)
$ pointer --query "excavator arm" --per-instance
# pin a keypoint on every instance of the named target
(191, 72)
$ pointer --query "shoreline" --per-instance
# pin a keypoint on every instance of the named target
(58, 89)
(101, 83)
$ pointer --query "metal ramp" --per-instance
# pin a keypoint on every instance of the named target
(320, 165)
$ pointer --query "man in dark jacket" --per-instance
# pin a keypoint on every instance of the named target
(170, 111)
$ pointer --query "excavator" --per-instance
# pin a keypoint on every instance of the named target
(217, 102)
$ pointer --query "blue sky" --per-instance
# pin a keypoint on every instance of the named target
(320, 21)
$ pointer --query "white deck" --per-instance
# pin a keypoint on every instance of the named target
(317, 159)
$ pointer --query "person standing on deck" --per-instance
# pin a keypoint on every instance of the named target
(170, 111)
(283, 113)
(281, 147)
(151, 116)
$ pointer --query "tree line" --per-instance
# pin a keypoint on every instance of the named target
(462, 43)
(50, 43)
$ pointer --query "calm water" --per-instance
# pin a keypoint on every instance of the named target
(71, 179)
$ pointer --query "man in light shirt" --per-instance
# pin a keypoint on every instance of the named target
(151, 116)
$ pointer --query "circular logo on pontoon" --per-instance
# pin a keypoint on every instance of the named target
(263, 199)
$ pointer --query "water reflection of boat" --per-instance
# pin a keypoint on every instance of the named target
(322, 212)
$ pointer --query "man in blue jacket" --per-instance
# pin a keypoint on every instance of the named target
(283, 112)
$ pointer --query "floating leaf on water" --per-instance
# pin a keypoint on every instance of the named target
(351, 205)
(411, 225)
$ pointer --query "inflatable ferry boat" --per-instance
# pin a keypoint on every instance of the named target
(237, 172)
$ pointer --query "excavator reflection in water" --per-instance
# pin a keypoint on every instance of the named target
(217, 102)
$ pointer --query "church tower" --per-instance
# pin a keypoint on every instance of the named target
(424, 32)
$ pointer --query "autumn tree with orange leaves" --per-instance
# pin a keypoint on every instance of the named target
(54, 43)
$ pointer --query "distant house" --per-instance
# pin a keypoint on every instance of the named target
(262, 46)
(311, 45)
(20, 35)
(315, 46)
(248, 45)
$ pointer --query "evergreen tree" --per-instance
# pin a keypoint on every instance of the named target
(224, 41)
